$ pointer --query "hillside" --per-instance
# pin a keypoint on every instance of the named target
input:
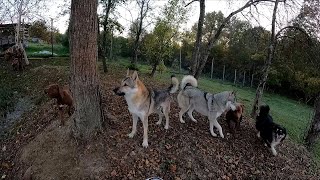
(186, 151)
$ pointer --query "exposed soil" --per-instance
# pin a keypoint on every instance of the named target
(185, 151)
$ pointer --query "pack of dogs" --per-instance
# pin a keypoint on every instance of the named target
(143, 101)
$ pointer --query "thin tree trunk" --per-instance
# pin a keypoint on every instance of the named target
(137, 39)
(251, 84)
(111, 46)
(314, 129)
(154, 68)
(224, 71)
(235, 77)
(84, 77)
(196, 50)
(244, 78)
(264, 78)
(211, 68)
(203, 57)
(104, 38)
(18, 37)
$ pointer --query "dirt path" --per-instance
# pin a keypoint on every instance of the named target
(185, 151)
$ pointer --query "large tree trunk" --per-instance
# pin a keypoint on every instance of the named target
(84, 77)
(314, 130)
(271, 48)
(196, 49)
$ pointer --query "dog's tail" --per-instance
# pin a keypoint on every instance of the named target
(188, 81)
(174, 84)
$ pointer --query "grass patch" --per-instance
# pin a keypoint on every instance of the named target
(27, 83)
(58, 49)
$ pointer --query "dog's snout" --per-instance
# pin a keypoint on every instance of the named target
(115, 90)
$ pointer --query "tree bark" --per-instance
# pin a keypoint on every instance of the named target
(271, 48)
(196, 49)
(314, 130)
(84, 77)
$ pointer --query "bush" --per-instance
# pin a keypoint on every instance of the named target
(133, 67)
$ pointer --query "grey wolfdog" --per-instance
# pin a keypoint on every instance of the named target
(143, 101)
(191, 98)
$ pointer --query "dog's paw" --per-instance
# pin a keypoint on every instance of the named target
(166, 127)
(145, 144)
(182, 121)
(258, 135)
(273, 150)
(194, 120)
(233, 107)
(213, 134)
(131, 135)
(158, 123)
(222, 136)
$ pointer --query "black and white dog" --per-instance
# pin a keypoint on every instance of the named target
(271, 133)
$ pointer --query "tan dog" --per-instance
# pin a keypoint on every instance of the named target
(235, 117)
(63, 96)
(143, 101)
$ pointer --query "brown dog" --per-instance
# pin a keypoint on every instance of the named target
(63, 96)
(235, 117)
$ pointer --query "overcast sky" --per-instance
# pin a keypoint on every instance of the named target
(126, 13)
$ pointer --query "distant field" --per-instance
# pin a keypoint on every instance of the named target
(58, 49)
(295, 116)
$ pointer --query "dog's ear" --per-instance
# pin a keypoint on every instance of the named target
(128, 72)
(135, 76)
(61, 93)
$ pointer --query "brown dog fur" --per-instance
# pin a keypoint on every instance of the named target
(63, 97)
(234, 118)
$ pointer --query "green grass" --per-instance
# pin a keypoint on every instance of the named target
(293, 115)
(36, 47)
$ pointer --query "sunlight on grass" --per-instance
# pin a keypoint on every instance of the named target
(36, 47)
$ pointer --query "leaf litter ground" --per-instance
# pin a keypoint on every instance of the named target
(40, 148)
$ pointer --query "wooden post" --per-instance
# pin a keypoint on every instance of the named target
(224, 71)
(212, 67)
(251, 80)
(235, 76)
(244, 78)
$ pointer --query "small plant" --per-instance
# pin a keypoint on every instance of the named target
(133, 67)
(161, 67)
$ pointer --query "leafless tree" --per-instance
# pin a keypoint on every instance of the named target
(271, 48)
(144, 8)
(314, 129)
(204, 54)
(196, 49)
(16, 10)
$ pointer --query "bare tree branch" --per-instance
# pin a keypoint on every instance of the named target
(190, 3)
